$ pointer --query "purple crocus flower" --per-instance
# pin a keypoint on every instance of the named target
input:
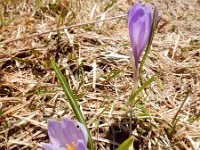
(140, 25)
(66, 135)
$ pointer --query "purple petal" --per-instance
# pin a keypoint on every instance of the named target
(149, 20)
(136, 25)
(157, 13)
(83, 133)
(133, 10)
(137, 41)
(70, 131)
(142, 43)
(51, 147)
(55, 133)
(149, 12)
(148, 29)
(135, 31)
(145, 30)
(133, 41)
(80, 145)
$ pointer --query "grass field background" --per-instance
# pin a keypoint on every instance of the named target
(93, 56)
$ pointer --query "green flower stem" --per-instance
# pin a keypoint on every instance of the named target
(72, 100)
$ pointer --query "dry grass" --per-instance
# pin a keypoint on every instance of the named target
(94, 61)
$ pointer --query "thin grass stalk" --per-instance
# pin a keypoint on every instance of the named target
(176, 118)
(176, 115)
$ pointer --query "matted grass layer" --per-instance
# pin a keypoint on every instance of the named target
(94, 59)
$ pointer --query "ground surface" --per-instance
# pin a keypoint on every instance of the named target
(96, 64)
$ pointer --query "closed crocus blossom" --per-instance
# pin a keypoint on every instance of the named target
(66, 135)
(140, 25)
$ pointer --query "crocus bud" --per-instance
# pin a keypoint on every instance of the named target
(140, 21)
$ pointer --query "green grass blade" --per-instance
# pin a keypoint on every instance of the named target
(135, 93)
(149, 43)
(72, 100)
(177, 113)
(176, 118)
(126, 144)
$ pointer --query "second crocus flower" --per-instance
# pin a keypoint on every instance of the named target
(66, 135)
